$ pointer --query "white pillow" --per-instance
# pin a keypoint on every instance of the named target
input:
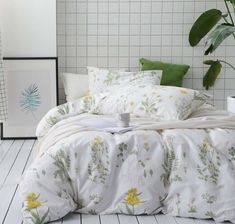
(157, 102)
(75, 85)
(101, 80)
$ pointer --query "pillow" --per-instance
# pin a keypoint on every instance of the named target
(157, 102)
(101, 80)
(173, 74)
(75, 85)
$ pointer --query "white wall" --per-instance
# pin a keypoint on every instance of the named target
(28, 28)
(115, 34)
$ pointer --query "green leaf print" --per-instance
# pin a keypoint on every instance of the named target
(208, 170)
(170, 165)
(98, 167)
(129, 211)
(148, 105)
(59, 194)
(210, 214)
(123, 152)
(111, 78)
(183, 108)
(62, 163)
(210, 199)
(178, 201)
(231, 153)
(36, 219)
(192, 206)
(161, 200)
(61, 110)
(92, 212)
(167, 165)
(51, 121)
(96, 199)
(33, 203)
(169, 156)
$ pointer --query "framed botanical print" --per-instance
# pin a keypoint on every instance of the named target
(32, 90)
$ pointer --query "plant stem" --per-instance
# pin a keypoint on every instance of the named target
(229, 12)
(228, 22)
(225, 62)
(224, 17)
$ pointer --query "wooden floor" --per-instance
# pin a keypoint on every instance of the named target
(16, 156)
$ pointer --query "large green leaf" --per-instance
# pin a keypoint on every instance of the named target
(203, 25)
(212, 74)
(217, 36)
(209, 62)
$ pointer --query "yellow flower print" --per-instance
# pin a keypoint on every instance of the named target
(132, 197)
(97, 141)
(32, 196)
(146, 146)
(184, 91)
(87, 93)
(88, 99)
(132, 103)
(32, 201)
(154, 92)
(206, 145)
(33, 204)
(88, 96)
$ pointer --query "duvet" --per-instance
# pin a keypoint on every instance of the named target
(180, 168)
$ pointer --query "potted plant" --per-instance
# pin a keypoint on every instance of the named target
(209, 25)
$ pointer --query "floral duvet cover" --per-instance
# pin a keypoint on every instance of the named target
(178, 171)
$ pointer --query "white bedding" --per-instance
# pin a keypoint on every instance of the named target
(182, 168)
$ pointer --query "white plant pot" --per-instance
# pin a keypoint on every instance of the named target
(231, 104)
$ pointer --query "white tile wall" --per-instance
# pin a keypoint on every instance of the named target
(116, 33)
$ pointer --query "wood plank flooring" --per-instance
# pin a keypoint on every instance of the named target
(17, 155)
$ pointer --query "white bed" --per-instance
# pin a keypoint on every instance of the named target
(178, 158)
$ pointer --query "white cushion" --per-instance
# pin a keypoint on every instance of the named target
(75, 85)
(101, 80)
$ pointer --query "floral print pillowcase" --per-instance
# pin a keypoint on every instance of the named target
(157, 102)
(101, 80)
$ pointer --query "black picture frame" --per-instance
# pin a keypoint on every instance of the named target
(57, 91)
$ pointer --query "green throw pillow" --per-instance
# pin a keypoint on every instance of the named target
(173, 74)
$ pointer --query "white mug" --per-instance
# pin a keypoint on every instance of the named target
(123, 120)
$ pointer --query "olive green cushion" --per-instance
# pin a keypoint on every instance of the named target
(172, 75)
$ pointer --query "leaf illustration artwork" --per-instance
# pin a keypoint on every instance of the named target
(30, 100)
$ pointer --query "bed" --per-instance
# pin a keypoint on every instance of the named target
(177, 157)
